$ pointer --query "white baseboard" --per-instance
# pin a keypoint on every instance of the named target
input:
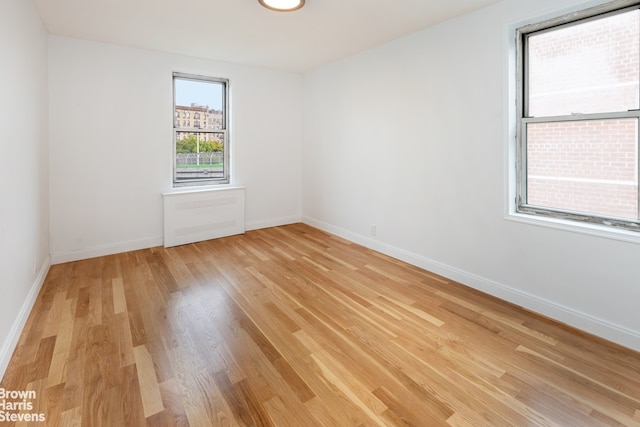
(96, 251)
(11, 341)
(274, 222)
(583, 321)
(134, 245)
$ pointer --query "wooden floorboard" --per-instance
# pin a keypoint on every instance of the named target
(290, 326)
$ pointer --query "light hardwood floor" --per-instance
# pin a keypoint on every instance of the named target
(290, 326)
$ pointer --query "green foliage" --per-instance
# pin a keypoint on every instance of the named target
(190, 145)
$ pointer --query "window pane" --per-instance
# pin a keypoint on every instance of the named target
(199, 156)
(588, 167)
(198, 97)
(590, 67)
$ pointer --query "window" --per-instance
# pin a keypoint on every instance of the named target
(202, 155)
(578, 114)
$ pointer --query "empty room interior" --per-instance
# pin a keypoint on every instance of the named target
(325, 213)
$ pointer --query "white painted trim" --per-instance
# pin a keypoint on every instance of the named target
(583, 321)
(96, 251)
(272, 222)
(10, 343)
(177, 191)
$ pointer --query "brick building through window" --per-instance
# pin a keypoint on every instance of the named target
(578, 146)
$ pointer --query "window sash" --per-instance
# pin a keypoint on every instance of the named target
(579, 18)
(600, 117)
(522, 173)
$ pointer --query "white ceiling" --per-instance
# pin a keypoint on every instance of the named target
(243, 32)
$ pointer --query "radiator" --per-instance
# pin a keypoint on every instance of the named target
(197, 215)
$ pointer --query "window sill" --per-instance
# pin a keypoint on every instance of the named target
(596, 230)
(201, 189)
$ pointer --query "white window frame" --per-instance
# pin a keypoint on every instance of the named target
(522, 120)
(225, 179)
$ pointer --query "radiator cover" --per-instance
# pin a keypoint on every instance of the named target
(196, 215)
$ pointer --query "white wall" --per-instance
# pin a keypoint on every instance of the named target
(24, 241)
(413, 137)
(111, 144)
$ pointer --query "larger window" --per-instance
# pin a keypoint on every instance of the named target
(579, 108)
(201, 146)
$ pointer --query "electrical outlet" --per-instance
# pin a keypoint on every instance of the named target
(373, 230)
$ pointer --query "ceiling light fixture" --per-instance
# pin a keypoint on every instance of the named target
(282, 5)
